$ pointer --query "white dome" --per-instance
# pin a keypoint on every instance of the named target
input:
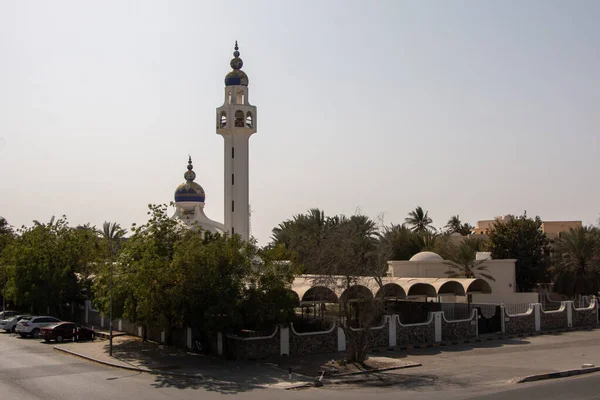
(426, 256)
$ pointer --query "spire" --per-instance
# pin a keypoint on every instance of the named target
(190, 175)
(236, 53)
(236, 62)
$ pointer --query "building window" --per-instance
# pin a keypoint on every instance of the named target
(232, 153)
(223, 121)
(232, 179)
(229, 96)
(232, 231)
(232, 206)
(248, 119)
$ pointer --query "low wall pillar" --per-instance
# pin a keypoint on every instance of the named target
(503, 320)
(391, 320)
(284, 336)
(437, 321)
(87, 310)
(537, 311)
(569, 305)
(162, 336)
(188, 337)
(120, 325)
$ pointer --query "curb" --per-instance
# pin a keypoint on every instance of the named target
(560, 374)
(130, 368)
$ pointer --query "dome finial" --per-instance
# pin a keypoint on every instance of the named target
(189, 175)
(236, 53)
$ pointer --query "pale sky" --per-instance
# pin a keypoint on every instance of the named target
(476, 108)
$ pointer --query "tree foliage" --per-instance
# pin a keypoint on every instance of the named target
(44, 262)
(522, 238)
(167, 275)
(419, 220)
(576, 269)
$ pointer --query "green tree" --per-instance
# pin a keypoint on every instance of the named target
(463, 263)
(400, 242)
(455, 225)
(167, 275)
(522, 238)
(45, 263)
(419, 220)
(576, 269)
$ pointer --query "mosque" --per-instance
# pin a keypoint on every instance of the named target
(236, 122)
(422, 277)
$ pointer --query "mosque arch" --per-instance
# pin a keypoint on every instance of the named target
(452, 287)
(239, 119)
(391, 291)
(249, 120)
(319, 294)
(356, 293)
(422, 289)
(479, 286)
(223, 119)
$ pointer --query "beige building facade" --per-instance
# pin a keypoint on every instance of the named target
(430, 265)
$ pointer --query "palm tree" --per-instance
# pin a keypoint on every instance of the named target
(464, 264)
(398, 242)
(577, 267)
(454, 224)
(113, 234)
(419, 220)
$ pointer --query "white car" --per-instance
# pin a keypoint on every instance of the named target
(31, 326)
(10, 323)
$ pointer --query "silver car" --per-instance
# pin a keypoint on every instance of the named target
(10, 323)
(31, 326)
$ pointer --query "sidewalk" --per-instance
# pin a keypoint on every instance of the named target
(170, 364)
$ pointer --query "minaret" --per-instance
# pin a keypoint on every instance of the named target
(236, 122)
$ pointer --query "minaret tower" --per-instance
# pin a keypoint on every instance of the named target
(236, 122)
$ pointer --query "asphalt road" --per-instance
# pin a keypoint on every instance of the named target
(30, 369)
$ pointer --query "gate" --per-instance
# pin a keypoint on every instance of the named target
(489, 318)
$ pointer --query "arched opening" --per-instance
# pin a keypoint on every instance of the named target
(248, 119)
(223, 120)
(479, 286)
(421, 290)
(229, 97)
(452, 287)
(240, 98)
(239, 119)
(319, 294)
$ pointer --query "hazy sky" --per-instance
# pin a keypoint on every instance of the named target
(477, 108)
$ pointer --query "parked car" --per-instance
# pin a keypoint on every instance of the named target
(32, 326)
(10, 323)
(66, 331)
(8, 314)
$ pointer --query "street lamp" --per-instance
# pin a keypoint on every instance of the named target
(110, 323)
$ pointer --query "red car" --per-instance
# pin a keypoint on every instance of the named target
(66, 331)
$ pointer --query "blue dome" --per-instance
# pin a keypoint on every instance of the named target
(189, 191)
(236, 78)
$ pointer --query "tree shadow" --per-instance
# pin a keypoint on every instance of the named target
(176, 368)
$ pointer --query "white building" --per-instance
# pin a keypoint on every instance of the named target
(430, 265)
(189, 204)
(236, 122)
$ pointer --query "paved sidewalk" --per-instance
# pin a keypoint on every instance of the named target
(171, 364)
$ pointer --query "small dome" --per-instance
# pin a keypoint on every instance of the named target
(237, 77)
(426, 256)
(190, 190)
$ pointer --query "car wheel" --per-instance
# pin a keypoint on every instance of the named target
(59, 339)
(47, 340)
(13, 329)
(22, 335)
(35, 333)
